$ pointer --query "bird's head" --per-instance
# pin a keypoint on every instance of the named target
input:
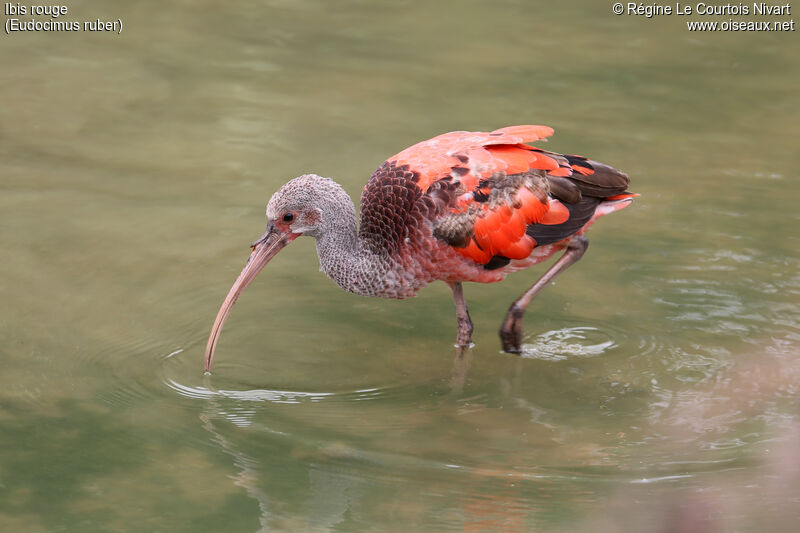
(306, 205)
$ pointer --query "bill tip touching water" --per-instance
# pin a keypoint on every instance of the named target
(462, 206)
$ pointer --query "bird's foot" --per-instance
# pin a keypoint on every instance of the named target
(511, 330)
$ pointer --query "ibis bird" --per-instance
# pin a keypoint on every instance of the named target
(462, 206)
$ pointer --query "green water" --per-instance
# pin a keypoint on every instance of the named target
(660, 385)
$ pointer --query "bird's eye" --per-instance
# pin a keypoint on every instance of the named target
(288, 217)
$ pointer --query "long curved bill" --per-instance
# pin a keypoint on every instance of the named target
(264, 249)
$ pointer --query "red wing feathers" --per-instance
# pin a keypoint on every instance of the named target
(435, 158)
(498, 188)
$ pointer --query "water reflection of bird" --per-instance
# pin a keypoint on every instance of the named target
(463, 206)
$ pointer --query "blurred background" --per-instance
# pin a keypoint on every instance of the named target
(659, 386)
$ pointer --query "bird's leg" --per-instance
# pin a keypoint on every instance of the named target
(464, 338)
(511, 330)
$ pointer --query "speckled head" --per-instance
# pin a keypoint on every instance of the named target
(308, 205)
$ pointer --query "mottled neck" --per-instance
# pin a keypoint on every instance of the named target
(347, 258)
